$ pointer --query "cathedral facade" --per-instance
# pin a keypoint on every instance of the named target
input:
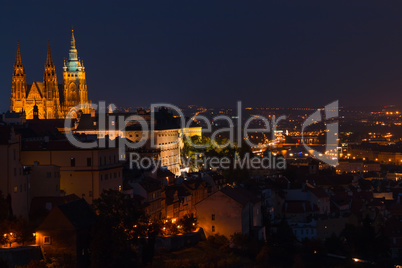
(48, 99)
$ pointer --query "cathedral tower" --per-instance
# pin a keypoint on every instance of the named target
(74, 80)
(51, 94)
(48, 99)
(19, 84)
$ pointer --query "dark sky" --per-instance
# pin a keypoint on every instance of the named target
(213, 53)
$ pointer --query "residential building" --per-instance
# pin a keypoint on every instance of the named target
(229, 211)
(153, 196)
(65, 233)
(84, 172)
(178, 202)
(45, 180)
(14, 180)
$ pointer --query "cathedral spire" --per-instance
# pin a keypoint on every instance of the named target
(73, 63)
(74, 81)
(49, 60)
(18, 66)
(50, 82)
(18, 59)
(72, 39)
(19, 83)
(73, 54)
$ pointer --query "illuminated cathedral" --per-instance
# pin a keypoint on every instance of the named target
(48, 99)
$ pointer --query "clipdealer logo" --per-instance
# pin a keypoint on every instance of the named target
(120, 123)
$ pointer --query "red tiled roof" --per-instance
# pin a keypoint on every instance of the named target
(240, 195)
(150, 184)
(39, 203)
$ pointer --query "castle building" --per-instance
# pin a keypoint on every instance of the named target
(49, 99)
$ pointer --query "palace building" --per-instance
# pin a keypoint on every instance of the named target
(48, 99)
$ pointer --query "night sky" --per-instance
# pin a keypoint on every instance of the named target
(265, 53)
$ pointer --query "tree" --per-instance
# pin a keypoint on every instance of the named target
(15, 231)
(282, 245)
(188, 223)
(219, 241)
(364, 241)
(121, 226)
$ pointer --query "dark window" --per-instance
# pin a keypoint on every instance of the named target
(213, 228)
(72, 162)
(46, 240)
(49, 174)
(89, 162)
(213, 217)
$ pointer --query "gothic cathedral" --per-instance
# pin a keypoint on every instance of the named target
(52, 100)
